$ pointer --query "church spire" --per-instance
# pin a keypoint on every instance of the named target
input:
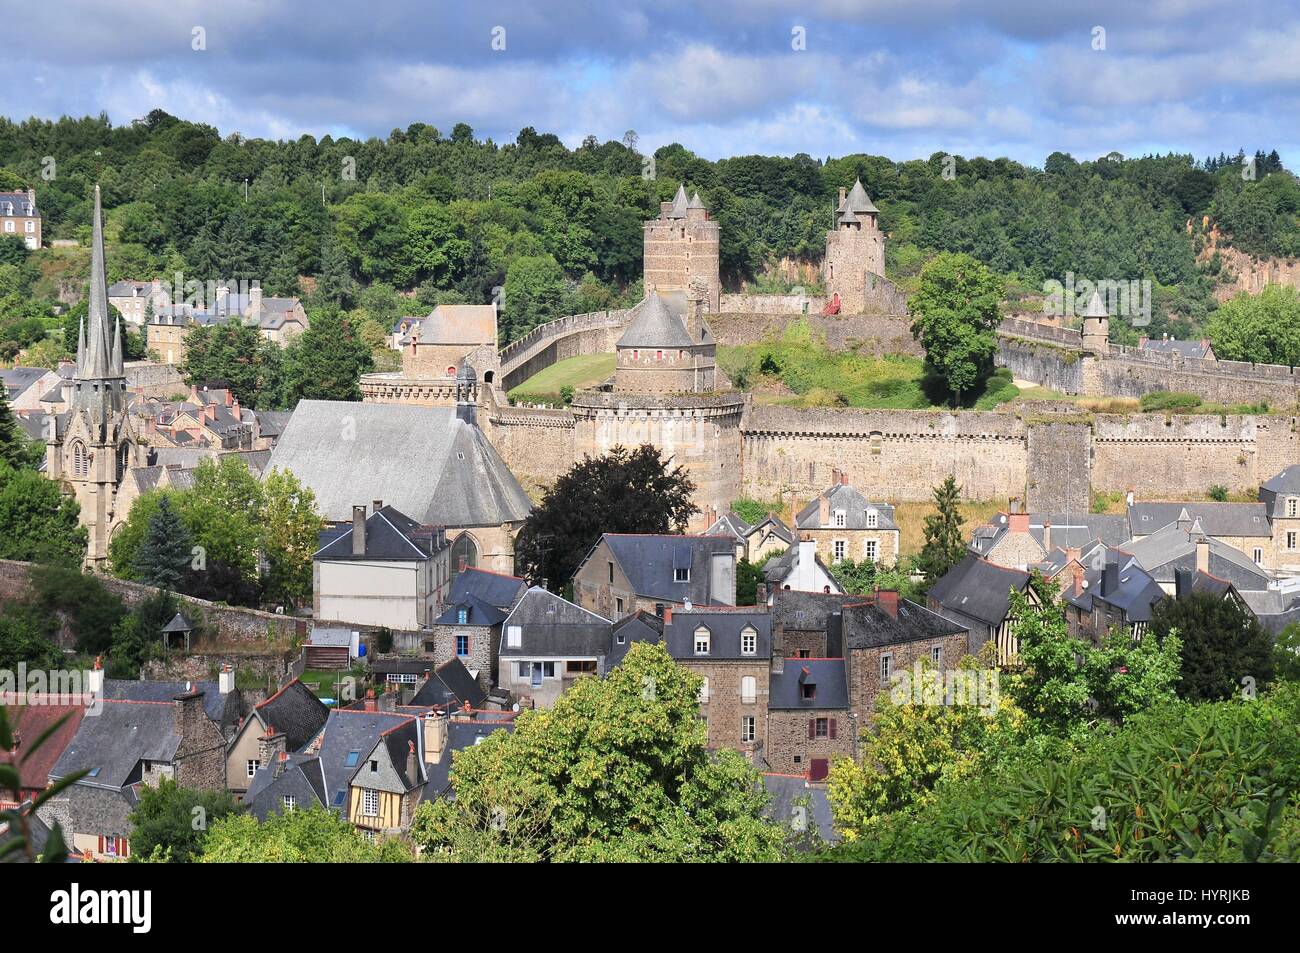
(81, 345)
(98, 362)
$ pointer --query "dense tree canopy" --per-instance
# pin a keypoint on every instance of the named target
(955, 318)
(1226, 652)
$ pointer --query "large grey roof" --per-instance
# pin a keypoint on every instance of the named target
(867, 625)
(347, 731)
(659, 321)
(112, 744)
(725, 627)
(855, 506)
(18, 379)
(979, 589)
(828, 676)
(391, 536)
(1164, 552)
(477, 612)
(554, 627)
(432, 466)
(300, 776)
(225, 710)
(90, 809)
(857, 200)
(495, 588)
(650, 560)
(1068, 529)
(450, 684)
(1288, 481)
(1217, 519)
(1119, 581)
(789, 795)
(1196, 349)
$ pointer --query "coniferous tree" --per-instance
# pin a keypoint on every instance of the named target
(944, 544)
(13, 443)
(165, 554)
(1225, 649)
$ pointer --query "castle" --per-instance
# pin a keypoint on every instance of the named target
(92, 445)
(855, 252)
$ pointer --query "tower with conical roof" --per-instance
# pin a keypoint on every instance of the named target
(90, 446)
(855, 250)
(682, 245)
(1096, 326)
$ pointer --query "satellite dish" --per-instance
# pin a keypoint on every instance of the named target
(515, 707)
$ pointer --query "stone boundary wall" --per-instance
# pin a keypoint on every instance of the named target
(875, 334)
(591, 333)
(232, 625)
(790, 304)
(1017, 327)
(1043, 362)
(270, 666)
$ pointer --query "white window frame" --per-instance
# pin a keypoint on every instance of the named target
(748, 641)
(701, 641)
(871, 550)
(514, 636)
(681, 574)
(1290, 540)
(748, 729)
(704, 691)
(886, 668)
(748, 689)
(289, 802)
(936, 654)
(1293, 506)
(369, 802)
(251, 766)
(873, 519)
(840, 519)
(839, 549)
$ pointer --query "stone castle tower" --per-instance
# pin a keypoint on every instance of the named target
(855, 250)
(92, 445)
(1096, 327)
(681, 244)
(668, 347)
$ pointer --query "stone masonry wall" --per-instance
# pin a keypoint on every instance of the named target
(787, 739)
(875, 334)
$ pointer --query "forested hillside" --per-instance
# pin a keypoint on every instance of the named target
(393, 226)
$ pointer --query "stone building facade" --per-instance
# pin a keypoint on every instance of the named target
(855, 252)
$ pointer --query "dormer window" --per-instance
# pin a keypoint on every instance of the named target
(873, 519)
(462, 615)
(1292, 506)
(682, 574)
(701, 641)
(839, 519)
(808, 691)
(748, 641)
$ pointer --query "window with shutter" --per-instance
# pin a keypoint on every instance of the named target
(812, 728)
(834, 727)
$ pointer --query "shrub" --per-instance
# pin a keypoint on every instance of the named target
(1169, 400)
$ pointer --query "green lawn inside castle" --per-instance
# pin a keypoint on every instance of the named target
(793, 369)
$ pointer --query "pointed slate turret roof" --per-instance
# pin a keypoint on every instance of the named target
(659, 321)
(679, 204)
(857, 200)
(695, 201)
(1096, 307)
(101, 357)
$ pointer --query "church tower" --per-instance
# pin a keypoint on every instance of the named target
(91, 446)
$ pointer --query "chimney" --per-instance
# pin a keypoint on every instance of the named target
(1202, 555)
(668, 616)
(824, 510)
(226, 680)
(1077, 571)
(359, 530)
(762, 594)
(843, 194)
(1110, 579)
(370, 700)
(778, 663)
(1018, 522)
(95, 678)
(411, 761)
(1073, 553)
(187, 709)
(255, 300)
(844, 478)
(887, 599)
(1128, 498)
(1047, 536)
(377, 505)
(270, 745)
(388, 701)
(835, 475)
(435, 737)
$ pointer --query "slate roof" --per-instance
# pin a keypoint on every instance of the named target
(23, 204)
(300, 776)
(271, 423)
(1121, 582)
(90, 809)
(978, 588)
(450, 684)
(1068, 529)
(1217, 519)
(494, 588)
(640, 626)
(680, 204)
(469, 324)
(775, 525)
(391, 536)
(807, 611)
(112, 744)
(225, 710)
(424, 461)
(1288, 481)
(18, 379)
(789, 793)
(1164, 552)
(828, 676)
(650, 561)
(867, 625)
(659, 321)
(178, 624)
(296, 711)
(731, 525)
(777, 569)
(855, 506)
(349, 730)
(725, 627)
(857, 200)
(477, 612)
(552, 627)
(1194, 349)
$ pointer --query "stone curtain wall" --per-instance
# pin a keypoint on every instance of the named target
(592, 333)
(890, 455)
(1129, 372)
(155, 380)
(1047, 364)
(875, 334)
(1058, 451)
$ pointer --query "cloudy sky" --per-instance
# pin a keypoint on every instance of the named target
(903, 78)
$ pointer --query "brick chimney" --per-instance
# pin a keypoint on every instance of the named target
(887, 599)
(1202, 555)
(1078, 572)
(824, 510)
(1018, 522)
(668, 616)
(370, 700)
(411, 761)
(844, 478)
(835, 475)
(1047, 536)
(359, 530)
(270, 745)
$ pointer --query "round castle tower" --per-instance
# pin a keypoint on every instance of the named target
(855, 250)
(682, 244)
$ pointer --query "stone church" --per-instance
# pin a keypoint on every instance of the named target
(90, 446)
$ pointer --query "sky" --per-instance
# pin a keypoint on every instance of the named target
(901, 78)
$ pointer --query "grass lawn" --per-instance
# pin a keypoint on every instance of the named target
(582, 372)
(324, 681)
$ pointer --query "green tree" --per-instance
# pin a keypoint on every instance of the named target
(1286, 653)
(137, 637)
(944, 545)
(643, 787)
(1263, 328)
(624, 491)
(291, 533)
(170, 822)
(534, 294)
(37, 521)
(955, 319)
(748, 578)
(81, 600)
(27, 637)
(14, 449)
(314, 836)
(326, 361)
(1224, 647)
(166, 551)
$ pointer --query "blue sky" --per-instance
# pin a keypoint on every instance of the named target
(902, 78)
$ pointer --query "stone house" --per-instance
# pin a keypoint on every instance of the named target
(133, 299)
(667, 347)
(1281, 498)
(625, 572)
(450, 686)
(732, 649)
(753, 541)
(19, 217)
(799, 569)
(855, 252)
(384, 570)
(846, 525)
(808, 716)
(1182, 546)
(1019, 539)
(469, 627)
(1103, 589)
(452, 334)
(547, 644)
(294, 713)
